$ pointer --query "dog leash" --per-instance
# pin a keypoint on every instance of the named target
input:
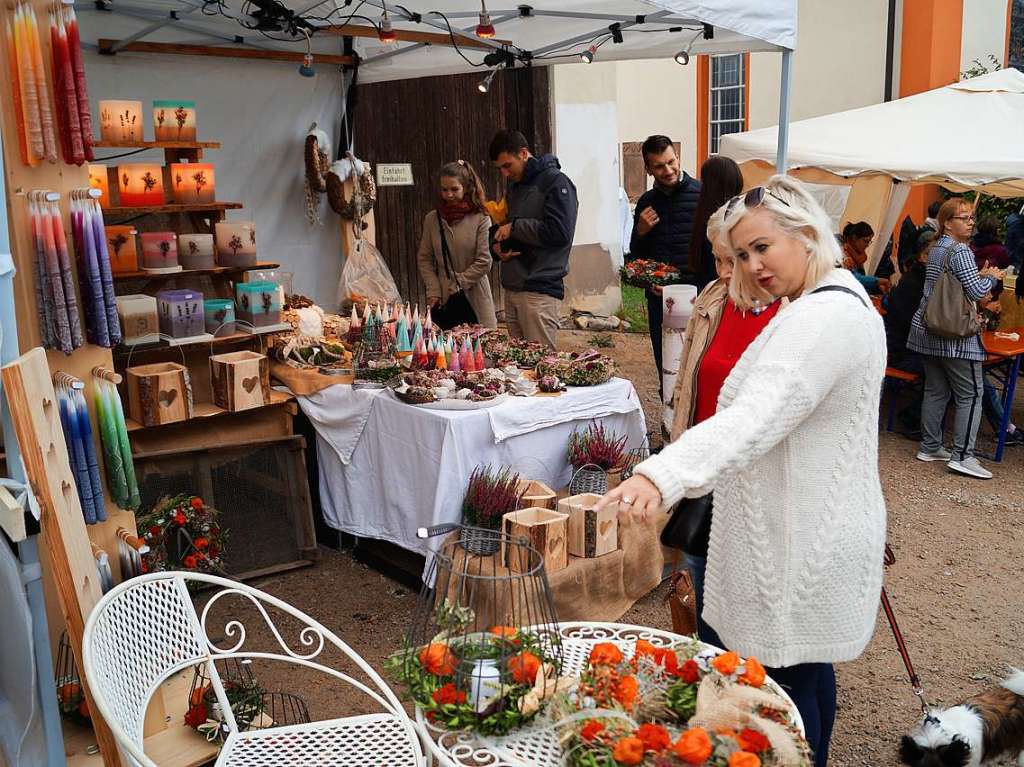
(901, 643)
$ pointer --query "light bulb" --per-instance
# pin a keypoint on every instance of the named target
(587, 57)
(485, 29)
(683, 57)
(306, 67)
(485, 84)
(386, 33)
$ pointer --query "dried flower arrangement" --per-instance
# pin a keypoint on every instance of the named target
(489, 496)
(588, 368)
(596, 446)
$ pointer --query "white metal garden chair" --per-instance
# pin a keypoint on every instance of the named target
(146, 629)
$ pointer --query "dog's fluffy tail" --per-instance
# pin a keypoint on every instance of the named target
(1015, 681)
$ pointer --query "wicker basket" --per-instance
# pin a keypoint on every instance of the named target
(479, 541)
(589, 478)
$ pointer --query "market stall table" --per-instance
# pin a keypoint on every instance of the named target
(388, 468)
(536, 745)
(1004, 355)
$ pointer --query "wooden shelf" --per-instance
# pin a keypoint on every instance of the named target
(209, 410)
(152, 210)
(144, 275)
(164, 346)
(157, 145)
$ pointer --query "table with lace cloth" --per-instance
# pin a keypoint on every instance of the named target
(536, 745)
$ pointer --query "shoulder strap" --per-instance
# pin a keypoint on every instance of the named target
(445, 254)
(839, 289)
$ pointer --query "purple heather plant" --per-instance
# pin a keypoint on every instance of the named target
(489, 496)
(597, 446)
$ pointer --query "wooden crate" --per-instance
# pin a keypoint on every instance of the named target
(240, 380)
(592, 533)
(545, 530)
(159, 393)
(537, 495)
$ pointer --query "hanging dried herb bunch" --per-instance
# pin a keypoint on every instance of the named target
(489, 496)
(596, 445)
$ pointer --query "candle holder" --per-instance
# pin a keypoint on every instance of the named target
(121, 122)
(192, 182)
(236, 243)
(195, 251)
(174, 120)
(124, 256)
(98, 179)
(181, 313)
(140, 184)
(258, 303)
(160, 252)
(219, 316)
(139, 322)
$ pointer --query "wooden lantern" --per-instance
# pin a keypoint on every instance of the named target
(240, 380)
(121, 245)
(140, 184)
(139, 321)
(160, 393)
(98, 180)
(536, 495)
(121, 121)
(545, 530)
(174, 120)
(592, 533)
(192, 182)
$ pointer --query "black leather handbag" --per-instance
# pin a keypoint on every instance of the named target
(457, 309)
(689, 527)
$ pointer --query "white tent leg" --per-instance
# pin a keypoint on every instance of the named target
(784, 88)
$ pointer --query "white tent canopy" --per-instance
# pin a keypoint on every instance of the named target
(965, 135)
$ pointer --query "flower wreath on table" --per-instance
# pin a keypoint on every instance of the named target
(669, 707)
(182, 534)
(431, 676)
(588, 368)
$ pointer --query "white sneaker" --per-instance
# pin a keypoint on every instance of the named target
(939, 455)
(971, 467)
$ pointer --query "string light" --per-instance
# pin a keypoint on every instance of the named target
(386, 33)
(485, 29)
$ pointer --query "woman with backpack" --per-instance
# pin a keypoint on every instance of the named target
(952, 355)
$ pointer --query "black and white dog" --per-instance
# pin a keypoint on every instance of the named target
(981, 729)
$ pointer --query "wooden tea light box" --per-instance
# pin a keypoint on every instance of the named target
(240, 380)
(543, 529)
(536, 494)
(159, 394)
(591, 533)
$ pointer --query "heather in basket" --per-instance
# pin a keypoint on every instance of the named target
(596, 445)
(489, 496)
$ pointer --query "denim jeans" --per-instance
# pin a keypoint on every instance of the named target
(696, 566)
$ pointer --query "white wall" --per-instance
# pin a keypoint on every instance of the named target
(260, 112)
(984, 32)
(839, 62)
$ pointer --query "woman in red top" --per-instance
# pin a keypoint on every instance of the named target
(716, 336)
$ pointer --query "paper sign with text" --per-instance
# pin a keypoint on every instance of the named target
(394, 174)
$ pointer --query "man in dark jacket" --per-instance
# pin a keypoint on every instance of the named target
(534, 244)
(663, 225)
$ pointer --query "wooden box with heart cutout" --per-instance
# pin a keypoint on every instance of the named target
(537, 495)
(592, 533)
(545, 530)
(240, 380)
(159, 394)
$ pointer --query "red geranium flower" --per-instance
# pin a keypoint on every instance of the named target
(202, 543)
(189, 562)
(180, 519)
(196, 715)
(690, 672)
(654, 736)
(591, 730)
(197, 503)
(449, 694)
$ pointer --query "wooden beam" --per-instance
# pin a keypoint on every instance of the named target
(410, 36)
(225, 52)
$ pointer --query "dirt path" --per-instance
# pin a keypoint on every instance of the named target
(955, 588)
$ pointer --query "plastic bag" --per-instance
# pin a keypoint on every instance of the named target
(365, 277)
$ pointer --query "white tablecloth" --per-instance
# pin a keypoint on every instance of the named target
(410, 466)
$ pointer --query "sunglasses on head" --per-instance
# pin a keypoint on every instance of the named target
(753, 198)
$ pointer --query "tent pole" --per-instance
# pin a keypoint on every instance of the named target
(784, 88)
(28, 549)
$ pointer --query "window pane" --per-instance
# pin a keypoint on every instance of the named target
(726, 99)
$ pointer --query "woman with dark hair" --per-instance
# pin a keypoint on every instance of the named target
(720, 181)
(857, 238)
(988, 248)
(454, 256)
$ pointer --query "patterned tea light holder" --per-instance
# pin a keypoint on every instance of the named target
(174, 120)
(236, 243)
(219, 316)
(140, 184)
(121, 122)
(192, 182)
(258, 303)
(160, 252)
(195, 251)
(121, 245)
(98, 180)
(181, 313)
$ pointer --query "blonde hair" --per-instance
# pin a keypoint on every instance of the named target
(799, 215)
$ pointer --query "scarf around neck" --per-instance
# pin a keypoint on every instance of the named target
(454, 212)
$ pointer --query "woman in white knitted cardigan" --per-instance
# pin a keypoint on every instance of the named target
(795, 559)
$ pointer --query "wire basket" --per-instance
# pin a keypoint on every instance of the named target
(479, 541)
(70, 696)
(633, 458)
(243, 692)
(589, 478)
(281, 709)
(481, 640)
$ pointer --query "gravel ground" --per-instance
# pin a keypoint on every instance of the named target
(952, 588)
